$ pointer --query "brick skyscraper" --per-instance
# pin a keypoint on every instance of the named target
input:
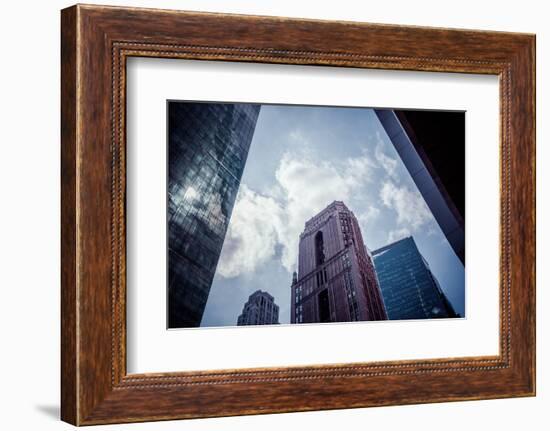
(336, 280)
(260, 309)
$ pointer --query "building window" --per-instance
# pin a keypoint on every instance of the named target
(319, 248)
(324, 306)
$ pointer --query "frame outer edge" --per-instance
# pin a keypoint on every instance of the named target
(523, 216)
(529, 62)
(532, 101)
(69, 201)
(533, 54)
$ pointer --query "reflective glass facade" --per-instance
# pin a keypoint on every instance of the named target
(408, 286)
(260, 309)
(208, 145)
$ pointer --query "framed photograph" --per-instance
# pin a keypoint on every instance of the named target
(326, 214)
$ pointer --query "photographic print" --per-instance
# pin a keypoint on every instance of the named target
(294, 214)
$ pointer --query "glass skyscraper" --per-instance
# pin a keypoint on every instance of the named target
(260, 309)
(408, 286)
(208, 145)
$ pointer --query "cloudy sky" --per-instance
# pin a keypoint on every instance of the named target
(300, 160)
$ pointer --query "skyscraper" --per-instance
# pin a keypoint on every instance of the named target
(336, 281)
(408, 286)
(439, 175)
(208, 145)
(260, 309)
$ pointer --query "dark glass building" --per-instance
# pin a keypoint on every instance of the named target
(408, 286)
(437, 170)
(336, 280)
(260, 309)
(208, 145)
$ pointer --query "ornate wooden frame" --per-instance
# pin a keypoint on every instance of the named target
(95, 43)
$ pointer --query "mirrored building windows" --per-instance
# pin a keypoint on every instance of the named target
(208, 145)
(408, 286)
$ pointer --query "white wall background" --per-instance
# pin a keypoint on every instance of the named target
(29, 214)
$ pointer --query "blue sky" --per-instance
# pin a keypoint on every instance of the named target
(301, 159)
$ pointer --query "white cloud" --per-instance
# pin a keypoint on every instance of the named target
(409, 205)
(432, 231)
(389, 164)
(307, 187)
(252, 233)
(304, 186)
(358, 171)
(369, 215)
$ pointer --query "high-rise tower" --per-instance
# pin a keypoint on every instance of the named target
(336, 280)
(260, 309)
(408, 286)
(207, 145)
